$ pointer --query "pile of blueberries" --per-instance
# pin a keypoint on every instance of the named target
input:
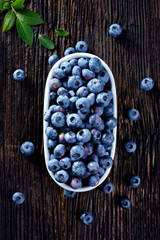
(80, 101)
(81, 121)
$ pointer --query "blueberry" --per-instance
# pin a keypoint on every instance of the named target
(130, 146)
(88, 125)
(76, 71)
(111, 123)
(53, 59)
(95, 120)
(77, 152)
(102, 99)
(51, 143)
(27, 148)
(97, 109)
(65, 83)
(94, 158)
(87, 74)
(52, 96)
(84, 135)
(78, 168)
(93, 180)
(101, 126)
(54, 84)
(66, 67)
(51, 156)
(51, 132)
(82, 92)
(100, 171)
(19, 75)
(83, 62)
(108, 138)
(93, 167)
(83, 104)
(125, 203)
(135, 181)
(109, 111)
(108, 147)
(59, 73)
(82, 115)
(61, 137)
(69, 50)
(69, 194)
(106, 162)
(103, 76)
(115, 30)
(62, 91)
(86, 175)
(59, 151)
(95, 85)
(53, 165)
(18, 197)
(55, 108)
(74, 82)
(63, 101)
(81, 46)
(74, 62)
(92, 98)
(70, 137)
(96, 135)
(58, 119)
(108, 187)
(87, 218)
(47, 116)
(88, 148)
(62, 176)
(100, 150)
(74, 120)
(71, 93)
(133, 114)
(95, 65)
(76, 183)
(65, 163)
(109, 94)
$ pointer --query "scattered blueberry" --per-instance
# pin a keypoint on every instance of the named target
(87, 218)
(69, 194)
(19, 75)
(147, 84)
(135, 181)
(81, 46)
(27, 148)
(62, 176)
(115, 30)
(133, 114)
(125, 203)
(108, 187)
(18, 198)
(130, 146)
(53, 59)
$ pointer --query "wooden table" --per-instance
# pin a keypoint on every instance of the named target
(47, 213)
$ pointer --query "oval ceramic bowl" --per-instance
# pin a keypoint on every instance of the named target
(45, 124)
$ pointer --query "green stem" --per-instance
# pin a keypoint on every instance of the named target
(14, 11)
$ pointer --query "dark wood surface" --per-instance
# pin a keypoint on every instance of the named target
(46, 213)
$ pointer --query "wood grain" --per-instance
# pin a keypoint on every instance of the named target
(46, 213)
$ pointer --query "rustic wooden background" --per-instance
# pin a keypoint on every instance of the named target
(47, 213)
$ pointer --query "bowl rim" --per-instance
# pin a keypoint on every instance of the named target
(45, 124)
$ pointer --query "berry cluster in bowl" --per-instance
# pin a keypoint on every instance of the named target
(79, 122)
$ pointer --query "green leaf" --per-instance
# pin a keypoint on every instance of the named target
(46, 41)
(8, 20)
(61, 32)
(25, 32)
(6, 5)
(29, 17)
(1, 5)
(18, 4)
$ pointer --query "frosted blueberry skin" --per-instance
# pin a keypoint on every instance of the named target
(69, 50)
(130, 146)
(103, 99)
(74, 82)
(62, 91)
(53, 165)
(54, 84)
(53, 59)
(76, 183)
(83, 63)
(109, 111)
(95, 85)
(106, 162)
(81, 46)
(86, 218)
(74, 62)
(65, 163)
(93, 180)
(83, 104)
(108, 187)
(111, 123)
(59, 73)
(93, 167)
(66, 67)
(76, 70)
(70, 137)
(58, 119)
(19, 75)
(84, 135)
(27, 148)
(62, 176)
(82, 92)
(88, 74)
(51, 132)
(78, 168)
(69, 194)
(77, 152)
(147, 84)
(135, 181)
(18, 198)
(51, 143)
(63, 101)
(115, 30)
(100, 150)
(95, 65)
(133, 114)
(125, 203)
(59, 151)
(103, 76)
(74, 120)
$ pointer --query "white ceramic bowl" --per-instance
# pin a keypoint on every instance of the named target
(45, 124)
